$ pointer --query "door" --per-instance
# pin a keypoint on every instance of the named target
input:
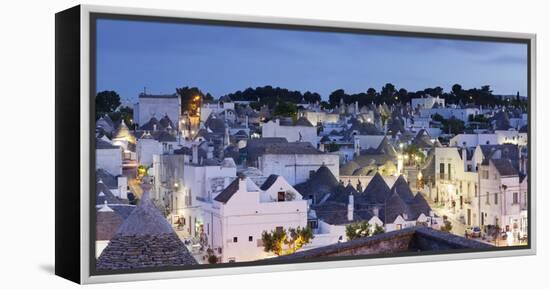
(469, 217)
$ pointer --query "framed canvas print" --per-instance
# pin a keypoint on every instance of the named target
(192, 144)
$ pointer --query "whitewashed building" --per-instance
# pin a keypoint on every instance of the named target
(149, 106)
(427, 102)
(318, 116)
(235, 220)
(296, 161)
(498, 137)
(301, 132)
(108, 157)
(146, 147)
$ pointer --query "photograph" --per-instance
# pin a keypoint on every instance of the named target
(224, 143)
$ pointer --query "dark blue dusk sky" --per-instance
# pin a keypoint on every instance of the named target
(221, 59)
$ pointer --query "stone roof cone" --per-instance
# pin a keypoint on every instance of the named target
(145, 239)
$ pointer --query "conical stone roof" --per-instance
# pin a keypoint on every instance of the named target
(145, 239)
(376, 192)
(322, 182)
(402, 188)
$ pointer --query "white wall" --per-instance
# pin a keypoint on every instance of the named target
(145, 149)
(158, 107)
(291, 133)
(296, 168)
(110, 160)
(246, 215)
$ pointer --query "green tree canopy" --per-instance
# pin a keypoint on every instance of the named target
(189, 101)
(106, 102)
(293, 238)
(285, 109)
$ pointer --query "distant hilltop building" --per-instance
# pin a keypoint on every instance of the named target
(158, 106)
(427, 102)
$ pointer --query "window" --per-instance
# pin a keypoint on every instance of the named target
(235, 239)
(469, 168)
(280, 196)
(449, 172)
(279, 229)
(496, 199)
(485, 174)
(442, 171)
(250, 238)
(312, 224)
(515, 198)
(487, 198)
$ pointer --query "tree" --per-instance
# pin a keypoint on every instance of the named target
(414, 153)
(438, 117)
(388, 169)
(285, 109)
(312, 97)
(388, 92)
(212, 259)
(447, 226)
(333, 147)
(335, 97)
(325, 105)
(457, 89)
(377, 230)
(402, 95)
(106, 102)
(453, 126)
(191, 99)
(142, 171)
(208, 97)
(125, 113)
(358, 230)
(371, 93)
(294, 239)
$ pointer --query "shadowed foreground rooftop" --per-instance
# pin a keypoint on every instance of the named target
(415, 239)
